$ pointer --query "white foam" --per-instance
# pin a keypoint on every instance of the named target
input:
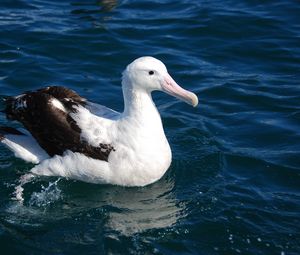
(18, 194)
(46, 196)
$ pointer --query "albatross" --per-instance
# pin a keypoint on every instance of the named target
(68, 136)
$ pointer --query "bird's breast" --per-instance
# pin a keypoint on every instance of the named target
(141, 157)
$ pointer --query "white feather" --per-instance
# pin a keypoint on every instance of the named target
(25, 147)
(94, 129)
(56, 103)
(102, 111)
(20, 102)
(75, 166)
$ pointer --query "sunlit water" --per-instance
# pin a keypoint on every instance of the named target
(233, 187)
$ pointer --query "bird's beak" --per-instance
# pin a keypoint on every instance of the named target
(172, 88)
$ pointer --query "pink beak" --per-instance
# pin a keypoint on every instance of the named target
(172, 88)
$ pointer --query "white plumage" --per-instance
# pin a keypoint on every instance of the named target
(141, 152)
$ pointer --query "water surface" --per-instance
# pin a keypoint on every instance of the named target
(233, 186)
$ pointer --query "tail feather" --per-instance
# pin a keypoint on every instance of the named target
(23, 145)
(4, 130)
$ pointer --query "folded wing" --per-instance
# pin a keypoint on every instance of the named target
(46, 114)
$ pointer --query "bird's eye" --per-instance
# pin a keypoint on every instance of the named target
(151, 72)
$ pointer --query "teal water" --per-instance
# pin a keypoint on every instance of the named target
(234, 183)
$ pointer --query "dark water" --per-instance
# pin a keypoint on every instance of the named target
(233, 187)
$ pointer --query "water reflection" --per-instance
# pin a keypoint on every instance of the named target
(119, 210)
(108, 5)
(149, 208)
(92, 10)
(132, 210)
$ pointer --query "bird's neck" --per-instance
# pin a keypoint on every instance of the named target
(139, 106)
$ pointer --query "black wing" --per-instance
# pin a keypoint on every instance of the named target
(53, 128)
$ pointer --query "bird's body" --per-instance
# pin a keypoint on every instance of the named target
(68, 136)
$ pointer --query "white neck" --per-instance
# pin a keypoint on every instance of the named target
(138, 104)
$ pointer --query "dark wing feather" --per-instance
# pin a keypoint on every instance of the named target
(54, 129)
(66, 96)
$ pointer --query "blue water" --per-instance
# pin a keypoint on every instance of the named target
(234, 183)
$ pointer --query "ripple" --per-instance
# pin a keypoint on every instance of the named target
(233, 184)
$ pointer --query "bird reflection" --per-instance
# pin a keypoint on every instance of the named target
(93, 208)
(149, 208)
(108, 5)
(131, 210)
(95, 13)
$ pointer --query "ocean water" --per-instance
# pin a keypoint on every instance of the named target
(234, 183)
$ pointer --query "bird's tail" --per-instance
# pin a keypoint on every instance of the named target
(4, 130)
(22, 145)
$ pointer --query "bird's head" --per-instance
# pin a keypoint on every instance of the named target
(149, 74)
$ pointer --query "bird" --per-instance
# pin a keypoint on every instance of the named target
(66, 135)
